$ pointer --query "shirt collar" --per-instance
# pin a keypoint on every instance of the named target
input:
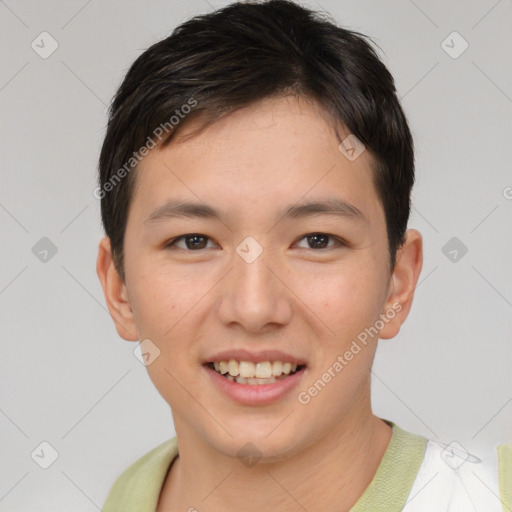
(139, 487)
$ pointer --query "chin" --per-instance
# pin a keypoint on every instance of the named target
(258, 440)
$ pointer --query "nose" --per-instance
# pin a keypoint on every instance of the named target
(255, 297)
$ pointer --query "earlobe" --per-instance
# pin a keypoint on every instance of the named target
(404, 279)
(115, 292)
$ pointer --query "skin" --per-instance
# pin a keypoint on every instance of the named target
(306, 301)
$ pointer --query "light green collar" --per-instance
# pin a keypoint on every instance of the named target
(393, 481)
(138, 488)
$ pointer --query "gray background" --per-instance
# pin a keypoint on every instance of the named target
(66, 376)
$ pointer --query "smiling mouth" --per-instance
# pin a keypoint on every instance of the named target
(247, 372)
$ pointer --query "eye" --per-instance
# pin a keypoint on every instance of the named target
(193, 242)
(321, 241)
(198, 241)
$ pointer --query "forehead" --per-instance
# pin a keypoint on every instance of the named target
(275, 152)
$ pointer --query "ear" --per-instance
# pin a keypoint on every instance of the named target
(115, 293)
(409, 262)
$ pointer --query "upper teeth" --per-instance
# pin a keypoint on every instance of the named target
(248, 369)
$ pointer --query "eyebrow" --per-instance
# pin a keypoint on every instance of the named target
(184, 209)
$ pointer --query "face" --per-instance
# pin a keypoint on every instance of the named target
(248, 278)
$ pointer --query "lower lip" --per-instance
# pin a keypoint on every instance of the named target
(258, 394)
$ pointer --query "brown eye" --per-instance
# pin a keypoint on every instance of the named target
(318, 241)
(193, 242)
(321, 241)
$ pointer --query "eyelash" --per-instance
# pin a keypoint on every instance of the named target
(340, 242)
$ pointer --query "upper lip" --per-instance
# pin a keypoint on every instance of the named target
(254, 356)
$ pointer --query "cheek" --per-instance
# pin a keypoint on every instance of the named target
(163, 299)
(163, 309)
(347, 299)
(348, 304)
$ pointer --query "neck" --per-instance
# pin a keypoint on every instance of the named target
(329, 475)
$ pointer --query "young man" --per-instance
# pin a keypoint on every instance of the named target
(255, 188)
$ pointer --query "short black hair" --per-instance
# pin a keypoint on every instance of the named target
(233, 57)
